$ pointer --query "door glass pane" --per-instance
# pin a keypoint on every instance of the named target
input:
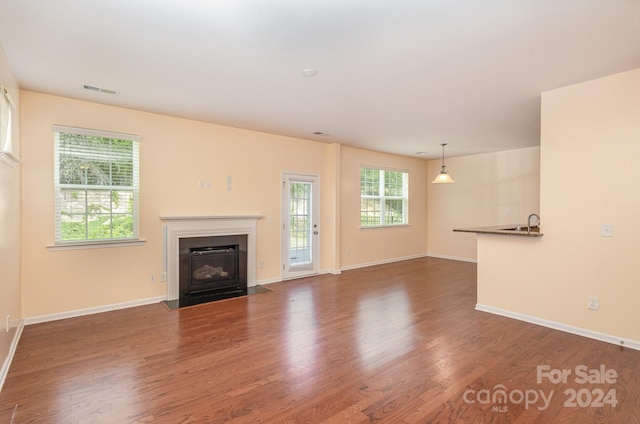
(300, 225)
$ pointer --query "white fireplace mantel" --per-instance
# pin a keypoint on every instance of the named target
(177, 227)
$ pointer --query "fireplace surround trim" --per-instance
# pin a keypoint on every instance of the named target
(177, 227)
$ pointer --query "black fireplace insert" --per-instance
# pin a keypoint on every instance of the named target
(212, 268)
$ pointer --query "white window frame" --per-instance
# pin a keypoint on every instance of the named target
(383, 198)
(88, 242)
(6, 132)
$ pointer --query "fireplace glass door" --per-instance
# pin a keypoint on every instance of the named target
(213, 267)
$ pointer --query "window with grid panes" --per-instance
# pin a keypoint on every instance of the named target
(96, 185)
(384, 197)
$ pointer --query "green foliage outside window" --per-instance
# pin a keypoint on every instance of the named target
(383, 197)
(299, 225)
(99, 221)
(96, 187)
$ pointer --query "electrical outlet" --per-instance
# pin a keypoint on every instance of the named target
(606, 230)
(261, 264)
(593, 304)
(163, 277)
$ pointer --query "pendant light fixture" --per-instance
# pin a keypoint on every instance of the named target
(443, 176)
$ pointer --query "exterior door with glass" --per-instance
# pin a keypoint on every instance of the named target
(300, 230)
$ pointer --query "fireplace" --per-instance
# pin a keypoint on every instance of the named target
(217, 237)
(212, 268)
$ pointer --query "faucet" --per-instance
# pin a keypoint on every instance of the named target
(537, 221)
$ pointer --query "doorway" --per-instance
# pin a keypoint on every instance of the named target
(300, 229)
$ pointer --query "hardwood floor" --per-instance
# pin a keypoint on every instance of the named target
(396, 343)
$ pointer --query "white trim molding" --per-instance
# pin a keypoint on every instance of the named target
(12, 350)
(452, 258)
(619, 341)
(8, 158)
(280, 280)
(384, 261)
(90, 311)
(177, 227)
(269, 281)
(96, 244)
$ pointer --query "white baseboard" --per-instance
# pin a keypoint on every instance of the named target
(452, 258)
(619, 341)
(278, 279)
(269, 281)
(12, 350)
(382, 262)
(94, 310)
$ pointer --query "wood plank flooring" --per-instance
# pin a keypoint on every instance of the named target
(396, 343)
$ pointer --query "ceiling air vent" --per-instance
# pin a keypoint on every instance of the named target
(100, 90)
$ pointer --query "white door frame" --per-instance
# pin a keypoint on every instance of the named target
(296, 271)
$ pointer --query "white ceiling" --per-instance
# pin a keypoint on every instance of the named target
(398, 76)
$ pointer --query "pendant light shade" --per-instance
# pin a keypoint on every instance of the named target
(443, 176)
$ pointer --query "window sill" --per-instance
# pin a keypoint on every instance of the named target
(373, 227)
(96, 245)
(8, 158)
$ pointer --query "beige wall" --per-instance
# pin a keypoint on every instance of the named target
(361, 247)
(498, 188)
(330, 188)
(175, 154)
(9, 224)
(590, 152)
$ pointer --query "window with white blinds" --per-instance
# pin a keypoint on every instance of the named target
(5, 124)
(96, 185)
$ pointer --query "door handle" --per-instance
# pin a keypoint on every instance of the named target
(315, 233)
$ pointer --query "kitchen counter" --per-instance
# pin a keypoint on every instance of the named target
(506, 230)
